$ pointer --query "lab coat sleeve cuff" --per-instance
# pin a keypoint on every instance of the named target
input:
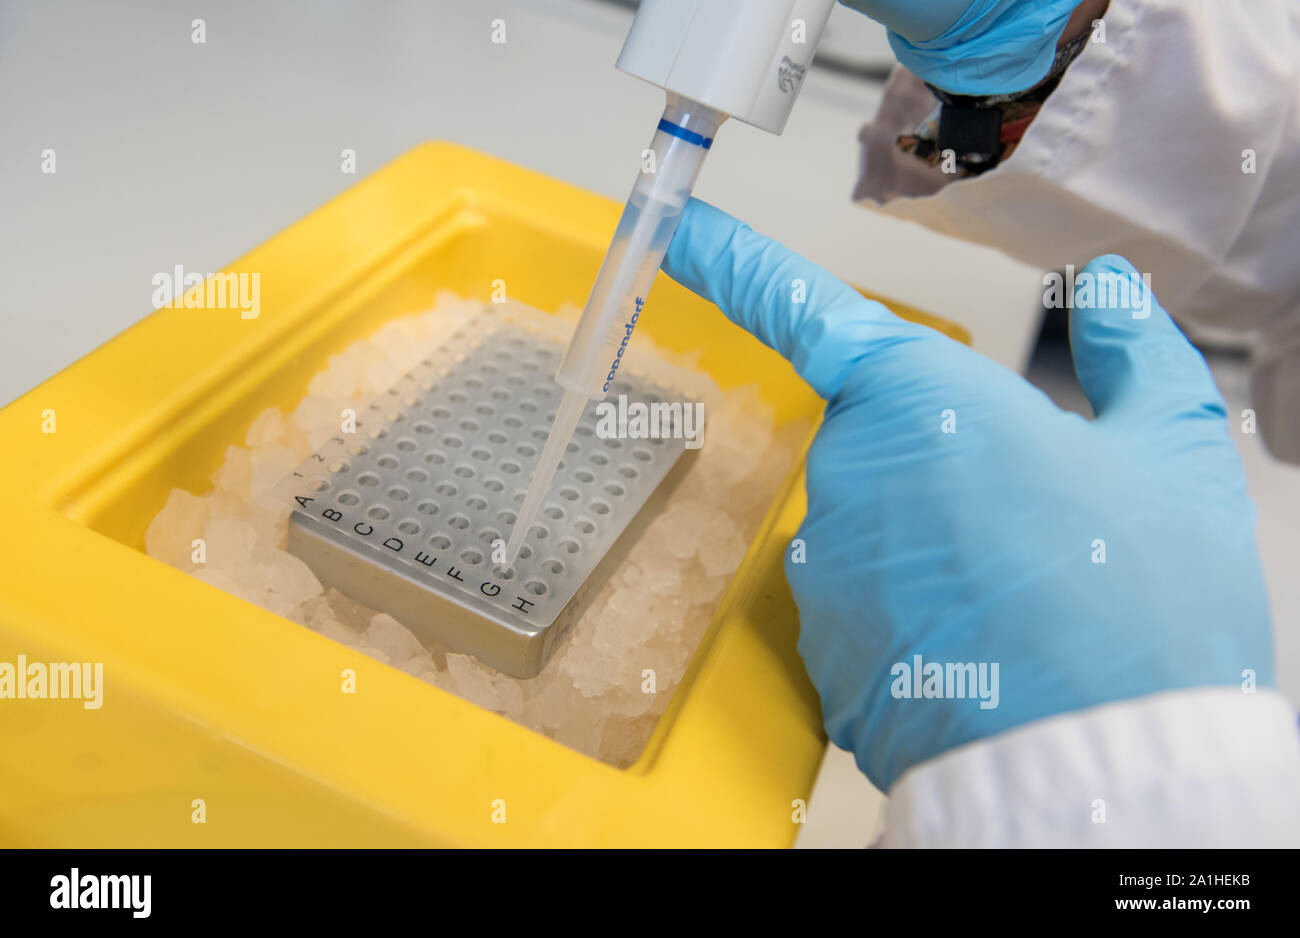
(1191, 768)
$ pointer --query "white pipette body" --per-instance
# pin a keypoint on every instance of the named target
(669, 169)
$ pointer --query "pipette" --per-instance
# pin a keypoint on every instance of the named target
(716, 59)
(668, 172)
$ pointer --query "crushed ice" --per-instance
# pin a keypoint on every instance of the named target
(649, 617)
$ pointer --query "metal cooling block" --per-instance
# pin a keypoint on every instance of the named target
(402, 515)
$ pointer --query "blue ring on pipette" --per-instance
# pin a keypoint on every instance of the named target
(682, 133)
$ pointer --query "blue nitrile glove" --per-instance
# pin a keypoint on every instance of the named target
(955, 513)
(973, 46)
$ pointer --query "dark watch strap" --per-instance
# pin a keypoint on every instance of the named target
(979, 128)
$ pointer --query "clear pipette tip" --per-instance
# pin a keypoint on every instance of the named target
(566, 421)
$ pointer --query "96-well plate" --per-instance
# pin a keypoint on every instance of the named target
(402, 515)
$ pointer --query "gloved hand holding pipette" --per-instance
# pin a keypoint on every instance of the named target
(956, 516)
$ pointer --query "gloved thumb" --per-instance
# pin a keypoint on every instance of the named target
(1132, 361)
(819, 323)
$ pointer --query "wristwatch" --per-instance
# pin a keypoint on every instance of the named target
(976, 132)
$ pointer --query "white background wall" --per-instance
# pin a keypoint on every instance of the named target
(174, 153)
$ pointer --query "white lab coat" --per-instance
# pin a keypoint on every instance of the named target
(1175, 142)
(1209, 767)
